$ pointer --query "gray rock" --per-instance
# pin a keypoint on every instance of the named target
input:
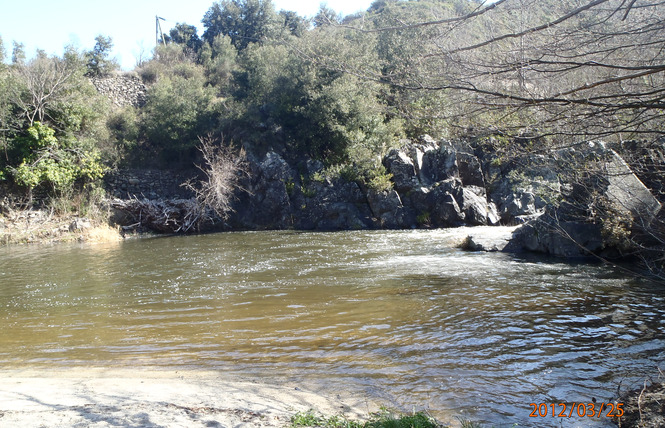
(122, 90)
(314, 166)
(438, 165)
(274, 167)
(568, 230)
(340, 216)
(568, 239)
(420, 200)
(470, 170)
(474, 207)
(493, 218)
(446, 212)
(627, 191)
(400, 165)
(387, 208)
(79, 224)
(515, 205)
(491, 239)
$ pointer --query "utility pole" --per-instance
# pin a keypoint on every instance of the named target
(158, 30)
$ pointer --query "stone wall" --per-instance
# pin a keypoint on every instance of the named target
(150, 184)
(121, 90)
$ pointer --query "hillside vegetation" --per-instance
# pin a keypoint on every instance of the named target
(518, 78)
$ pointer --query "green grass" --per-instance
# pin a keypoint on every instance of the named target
(382, 419)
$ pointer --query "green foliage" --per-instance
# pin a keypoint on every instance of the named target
(220, 61)
(18, 53)
(380, 180)
(186, 35)
(387, 419)
(424, 219)
(178, 109)
(382, 419)
(124, 131)
(294, 23)
(326, 16)
(465, 423)
(244, 21)
(47, 161)
(99, 61)
(290, 186)
(307, 191)
(2, 53)
(318, 177)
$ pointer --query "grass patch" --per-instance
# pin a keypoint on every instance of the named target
(381, 419)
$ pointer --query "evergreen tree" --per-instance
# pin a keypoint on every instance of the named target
(185, 34)
(244, 21)
(99, 63)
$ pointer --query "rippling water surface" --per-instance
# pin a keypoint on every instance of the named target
(402, 316)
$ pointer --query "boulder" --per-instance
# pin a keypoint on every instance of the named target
(517, 204)
(470, 170)
(401, 166)
(388, 209)
(340, 216)
(627, 192)
(570, 239)
(446, 211)
(419, 199)
(490, 239)
(275, 168)
(416, 151)
(438, 165)
(474, 206)
(571, 230)
(266, 204)
(336, 205)
(79, 224)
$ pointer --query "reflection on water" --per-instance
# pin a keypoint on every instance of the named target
(400, 315)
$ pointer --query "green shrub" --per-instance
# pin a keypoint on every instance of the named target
(382, 419)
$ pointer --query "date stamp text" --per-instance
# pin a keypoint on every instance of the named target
(581, 410)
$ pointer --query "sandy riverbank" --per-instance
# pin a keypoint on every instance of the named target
(139, 398)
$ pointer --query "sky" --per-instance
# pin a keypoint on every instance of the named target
(51, 25)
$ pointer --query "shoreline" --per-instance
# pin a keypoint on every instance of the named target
(101, 397)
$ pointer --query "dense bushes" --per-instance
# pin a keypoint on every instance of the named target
(343, 95)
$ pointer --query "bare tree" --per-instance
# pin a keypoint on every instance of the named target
(223, 167)
(41, 82)
(588, 68)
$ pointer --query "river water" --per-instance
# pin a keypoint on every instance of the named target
(402, 317)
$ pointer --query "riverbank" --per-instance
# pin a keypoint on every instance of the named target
(43, 227)
(147, 398)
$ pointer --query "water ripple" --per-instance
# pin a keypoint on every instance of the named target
(402, 315)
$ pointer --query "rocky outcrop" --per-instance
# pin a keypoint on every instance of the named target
(440, 182)
(574, 227)
(436, 184)
(121, 90)
(277, 197)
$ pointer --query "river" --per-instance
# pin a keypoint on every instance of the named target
(400, 316)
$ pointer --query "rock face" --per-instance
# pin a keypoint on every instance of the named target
(627, 191)
(121, 90)
(440, 185)
(569, 230)
(278, 198)
(436, 184)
